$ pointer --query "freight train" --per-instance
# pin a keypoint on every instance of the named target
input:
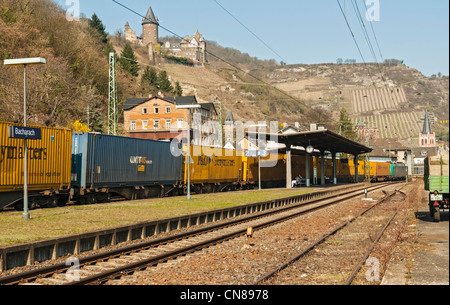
(88, 168)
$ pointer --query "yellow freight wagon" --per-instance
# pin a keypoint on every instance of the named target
(214, 169)
(361, 170)
(299, 166)
(49, 167)
(345, 169)
(273, 176)
(328, 167)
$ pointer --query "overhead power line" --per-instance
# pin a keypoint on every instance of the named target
(374, 35)
(364, 29)
(354, 40)
(250, 31)
(351, 31)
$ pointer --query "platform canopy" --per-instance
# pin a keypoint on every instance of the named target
(323, 140)
(317, 143)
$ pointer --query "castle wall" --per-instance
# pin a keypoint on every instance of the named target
(130, 35)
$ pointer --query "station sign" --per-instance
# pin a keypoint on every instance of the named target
(251, 153)
(21, 132)
(256, 153)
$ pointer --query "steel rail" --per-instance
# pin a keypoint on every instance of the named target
(321, 240)
(366, 255)
(62, 267)
(143, 264)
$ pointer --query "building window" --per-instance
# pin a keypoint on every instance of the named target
(168, 109)
(145, 124)
(133, 125)
(180, 123)
(168, 124)
(144, 110)
(156, 124)
(156, 110)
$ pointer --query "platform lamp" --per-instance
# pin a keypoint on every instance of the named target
(259, 153)
(14, 63)
(189, 158)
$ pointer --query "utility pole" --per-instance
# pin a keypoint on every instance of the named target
(113, 112)
(221, 125)
(367, 164)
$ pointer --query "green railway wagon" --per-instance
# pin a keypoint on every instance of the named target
(437, 184)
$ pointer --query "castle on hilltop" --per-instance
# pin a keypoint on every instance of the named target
(192, 48)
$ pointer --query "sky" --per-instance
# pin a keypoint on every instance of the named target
(298, 31)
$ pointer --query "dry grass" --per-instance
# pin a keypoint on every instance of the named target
(53, 223)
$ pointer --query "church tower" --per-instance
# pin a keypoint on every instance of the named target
(150, 28)
(427, 138)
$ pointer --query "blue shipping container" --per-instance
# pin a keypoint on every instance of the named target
(112, 161)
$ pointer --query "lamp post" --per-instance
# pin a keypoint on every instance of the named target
(259, 152)
(188, 159)
(14, 63)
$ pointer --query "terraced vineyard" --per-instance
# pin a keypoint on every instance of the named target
(368, 100)
(400, 125)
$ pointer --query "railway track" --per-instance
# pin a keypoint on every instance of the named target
(101, 268)
(275, 272)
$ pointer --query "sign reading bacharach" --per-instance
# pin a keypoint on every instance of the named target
(20, 132)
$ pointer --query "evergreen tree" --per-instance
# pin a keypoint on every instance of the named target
(150, 77)
(98, 26)
(178, 90)
(164, 82)
(345, 126)
(129, 61)
(149, 81)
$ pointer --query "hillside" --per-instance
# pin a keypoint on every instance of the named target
(390, 97)
(74, 83)
(74, 80)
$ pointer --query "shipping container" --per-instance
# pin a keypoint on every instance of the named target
(273, 170)
(328, 166)
(132, 168)
(361, 170)
(48, 165)
(299, 166)
(343, 171)
(214, 169)
(381, 171)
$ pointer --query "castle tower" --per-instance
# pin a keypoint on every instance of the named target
(427, 138)
(150, 28)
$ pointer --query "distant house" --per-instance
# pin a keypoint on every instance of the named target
(362, 131)
(388, 150)
(290, 129)
(159, 118)
(193, 48)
